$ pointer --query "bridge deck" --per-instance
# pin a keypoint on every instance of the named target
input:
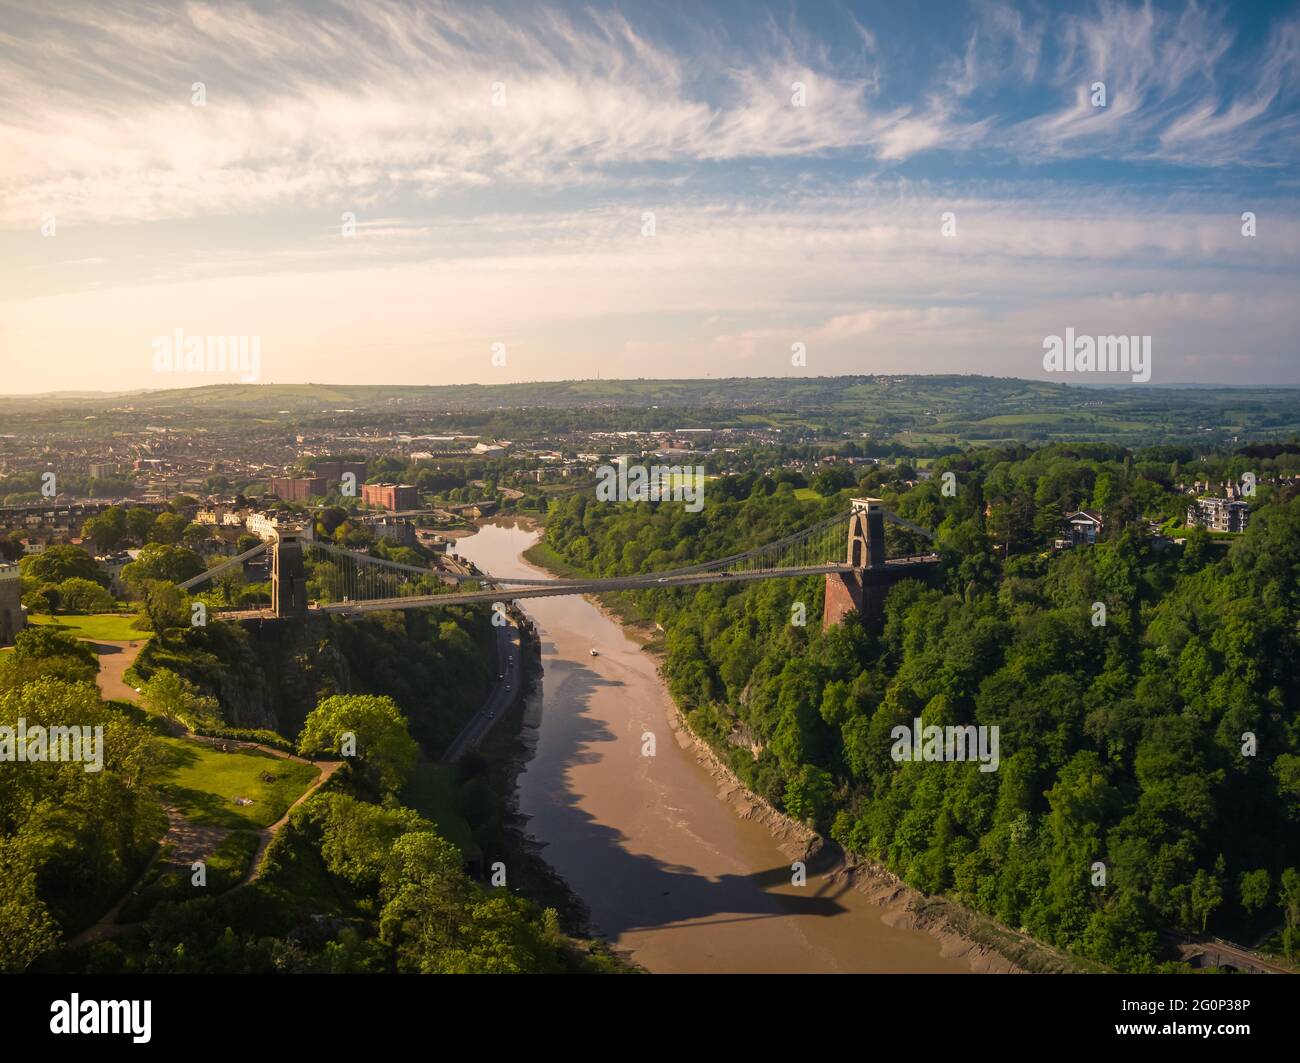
(554, 588)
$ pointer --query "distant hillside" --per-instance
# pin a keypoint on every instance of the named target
(922, 411)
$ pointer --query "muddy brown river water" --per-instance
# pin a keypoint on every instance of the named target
(670, 872)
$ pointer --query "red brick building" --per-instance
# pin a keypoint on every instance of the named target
(335, 470)
(291, 489)
(393, 497)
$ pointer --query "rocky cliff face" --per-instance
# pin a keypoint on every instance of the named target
(296, 666)
(265, 676)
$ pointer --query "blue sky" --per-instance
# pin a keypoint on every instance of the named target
(504, 163)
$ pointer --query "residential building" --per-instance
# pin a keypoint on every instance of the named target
(334, 471)
(399, 530)
(1083, 528)
(393, 497)
(298, 489)
(219, 515)
(113, 564)
(267, 525)
(1219, 514)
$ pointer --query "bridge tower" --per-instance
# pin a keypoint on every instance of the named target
(867, 533)
(863, 589)
(288, 575)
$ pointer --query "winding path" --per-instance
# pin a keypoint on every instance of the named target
(114, 659)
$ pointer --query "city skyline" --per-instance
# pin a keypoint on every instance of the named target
(657, 192)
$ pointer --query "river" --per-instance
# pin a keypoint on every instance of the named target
(671, 873)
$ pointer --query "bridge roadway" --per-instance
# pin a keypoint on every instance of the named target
(570, 586)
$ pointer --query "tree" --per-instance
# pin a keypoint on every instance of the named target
(58, 563)
(43, 641)
(1207, 892)
(1103, 492)
(11, 546)
(1011, 522)
(379, 738)
(1255, 888)
(165, 606)
(1289, 895)
(808, 794)
(78, 595)
(832, 480)
(157, 561)
(26, 927)
(176, 698)
(108, 529)
(168, 528)
(139, 522)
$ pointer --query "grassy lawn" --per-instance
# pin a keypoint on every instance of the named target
(171, 882)
(99, 627)
(203, 783)
(807, 494)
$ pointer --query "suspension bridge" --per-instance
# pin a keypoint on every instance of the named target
(309, 577)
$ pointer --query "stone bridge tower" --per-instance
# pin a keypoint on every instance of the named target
(867, 533)
(288, 574)
(863, 589)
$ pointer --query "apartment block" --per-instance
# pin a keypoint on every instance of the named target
(298, 489)
(393, 497)
(1219, 514)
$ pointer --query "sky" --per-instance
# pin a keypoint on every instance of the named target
(422, 193)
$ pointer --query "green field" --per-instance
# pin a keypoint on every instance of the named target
(98, 627)
(203, 782)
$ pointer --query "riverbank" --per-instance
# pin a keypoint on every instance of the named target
(980, 942)
(626, 811)
(502, 756)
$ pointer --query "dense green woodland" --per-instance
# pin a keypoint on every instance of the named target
(1120, 743)
(434, 664)
(357, 881)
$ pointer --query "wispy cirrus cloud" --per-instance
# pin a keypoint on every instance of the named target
(1166, 76)
(523, 222)
(377, 100)
(380, 98)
